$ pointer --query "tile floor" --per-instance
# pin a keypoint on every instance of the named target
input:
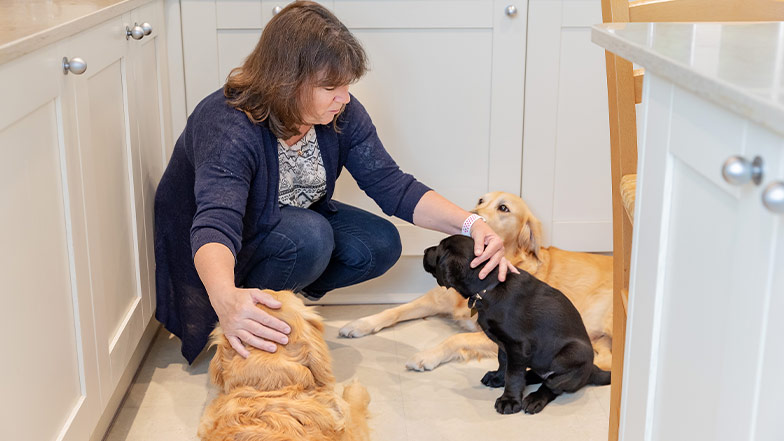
(167, 396)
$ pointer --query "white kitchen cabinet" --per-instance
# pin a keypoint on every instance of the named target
(82, 154)
(566, 140)
(49, 374)
(152, 128)
(703, 272)
(705, 339)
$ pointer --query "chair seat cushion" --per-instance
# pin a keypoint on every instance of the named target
(628, 190)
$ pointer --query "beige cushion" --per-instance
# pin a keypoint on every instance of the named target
(628, 190)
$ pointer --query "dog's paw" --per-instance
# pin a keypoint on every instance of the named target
(424, 361)
(508, 405)
(493, 379)
(356, 393)
(535, 402)
(358, 328)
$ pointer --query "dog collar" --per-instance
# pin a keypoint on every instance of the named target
(472, 301)
(475, 298)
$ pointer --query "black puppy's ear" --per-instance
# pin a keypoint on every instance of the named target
(455, 271)
(430, 259)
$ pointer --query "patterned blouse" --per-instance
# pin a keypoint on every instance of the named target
(303, 179)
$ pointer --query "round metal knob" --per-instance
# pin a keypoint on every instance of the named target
(511, 10)
(136, 32)
(737, 170)
(773, 197)
(75, 65)
(276, 9)
(147, 28)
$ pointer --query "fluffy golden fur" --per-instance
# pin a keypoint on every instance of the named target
(586, 279)
(287, 395)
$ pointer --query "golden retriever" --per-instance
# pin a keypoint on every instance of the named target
(287, 395)
(586, 279)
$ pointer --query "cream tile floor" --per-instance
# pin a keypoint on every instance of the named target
(168, 397)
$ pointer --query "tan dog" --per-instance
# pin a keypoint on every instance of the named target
(287, 395)
(586, 279)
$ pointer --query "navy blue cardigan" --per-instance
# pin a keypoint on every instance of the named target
(221, 185)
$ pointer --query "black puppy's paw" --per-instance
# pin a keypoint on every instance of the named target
(507, 405)
(493, 379)
(535, 402)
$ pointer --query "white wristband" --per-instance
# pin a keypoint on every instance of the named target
(466, 231)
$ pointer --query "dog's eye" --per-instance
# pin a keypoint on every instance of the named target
(480, 201)
(503, 208)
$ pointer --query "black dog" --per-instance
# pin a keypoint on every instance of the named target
(535, 326)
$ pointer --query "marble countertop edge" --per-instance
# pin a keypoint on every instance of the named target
(758, 109)
(30, 43)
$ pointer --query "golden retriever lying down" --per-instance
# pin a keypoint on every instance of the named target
(586, 279)
(283, 396)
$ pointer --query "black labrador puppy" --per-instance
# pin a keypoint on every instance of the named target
(540, 335)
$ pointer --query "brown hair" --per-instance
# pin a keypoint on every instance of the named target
(303, 46)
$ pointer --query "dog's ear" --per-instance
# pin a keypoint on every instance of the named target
(455, 270)
(429, 260)
(219, 360)
(317, 357)
(530, 237)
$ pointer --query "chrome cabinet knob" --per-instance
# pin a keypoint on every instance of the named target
(147, 28)
(136, 32)
(737, 170)
(75, 65)
(276, 9)
(511, 11)
(773, 197)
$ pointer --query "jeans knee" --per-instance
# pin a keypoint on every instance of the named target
(393, 247)
(384, 247)
(314, 246)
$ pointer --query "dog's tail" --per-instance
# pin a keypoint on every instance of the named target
(599, 377)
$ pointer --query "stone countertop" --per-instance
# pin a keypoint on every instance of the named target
(27, 25)
(740, 66)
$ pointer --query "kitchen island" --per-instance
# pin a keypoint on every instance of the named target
(705, 339)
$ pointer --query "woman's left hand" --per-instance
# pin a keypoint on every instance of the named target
(489, 247)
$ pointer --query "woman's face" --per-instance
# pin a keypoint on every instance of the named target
(326, 102)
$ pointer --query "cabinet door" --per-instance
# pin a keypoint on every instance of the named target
(147, 58)
(49, 373)
(110, 208)
(445, 91)
(566, 159)
(700, 325)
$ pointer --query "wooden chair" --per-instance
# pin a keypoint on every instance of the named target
(624, 90)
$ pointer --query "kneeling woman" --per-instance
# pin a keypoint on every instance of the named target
(246, 201)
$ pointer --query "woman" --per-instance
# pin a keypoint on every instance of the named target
(246, 201)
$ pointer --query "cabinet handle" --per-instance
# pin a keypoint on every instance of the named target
(136, 32)
(511, 11)
(147, 28)
(773, 197)
(737, 170)
(75, 65)
(276, 9)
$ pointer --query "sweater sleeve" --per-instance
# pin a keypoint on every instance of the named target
(225, 162)
(376, 173)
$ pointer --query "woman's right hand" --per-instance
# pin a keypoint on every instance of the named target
(243, 322)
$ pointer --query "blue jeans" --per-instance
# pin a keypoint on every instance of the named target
(312, 253)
